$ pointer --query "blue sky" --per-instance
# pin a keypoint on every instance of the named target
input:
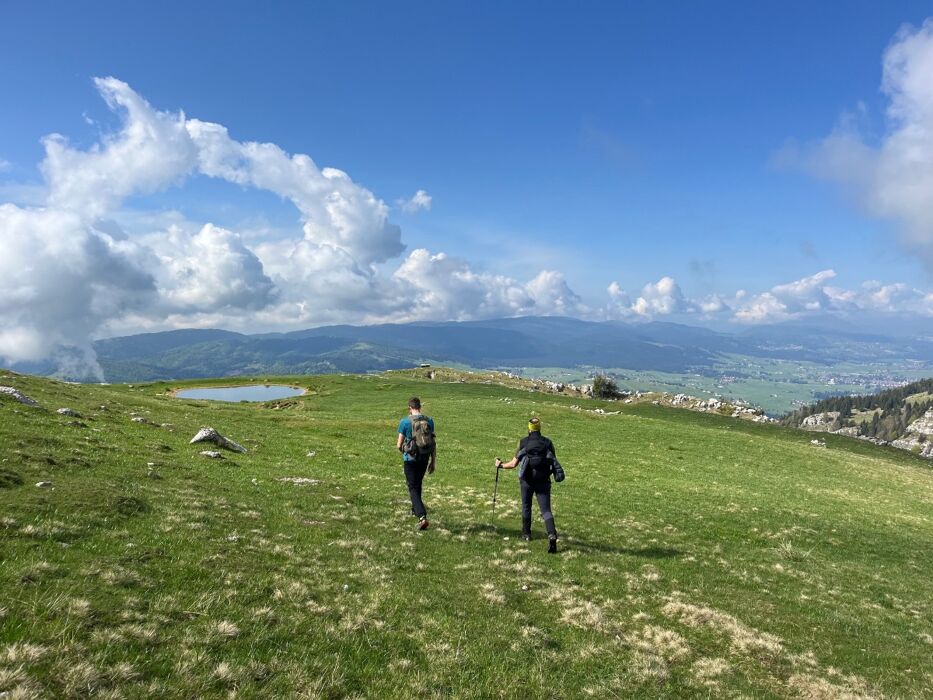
(610, 142)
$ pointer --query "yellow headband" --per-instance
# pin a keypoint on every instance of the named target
(534, 425)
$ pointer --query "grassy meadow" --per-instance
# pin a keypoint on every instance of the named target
(700, 556)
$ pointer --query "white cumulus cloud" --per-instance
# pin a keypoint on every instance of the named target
(209, 271)
(60, 280)
(70, 271)
(445, 287)
(420, 200)
(150, 152)
(336, 211)
(892, 178)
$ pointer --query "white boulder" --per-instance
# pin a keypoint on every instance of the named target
(17, 395)
(211, 435)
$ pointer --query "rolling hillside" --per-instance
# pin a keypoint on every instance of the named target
(700, 556)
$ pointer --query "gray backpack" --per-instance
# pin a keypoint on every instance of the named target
(422, 437)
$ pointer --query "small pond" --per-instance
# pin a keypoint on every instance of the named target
(253, 392)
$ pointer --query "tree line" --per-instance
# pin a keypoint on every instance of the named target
(892, 412)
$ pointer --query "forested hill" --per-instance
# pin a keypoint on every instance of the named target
(885, 415)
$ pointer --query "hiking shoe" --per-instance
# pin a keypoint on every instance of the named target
(423, 524)
(526, 536)
(552, 545)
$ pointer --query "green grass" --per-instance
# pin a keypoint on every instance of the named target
(922, 397)
(859, 417)
(700, 556)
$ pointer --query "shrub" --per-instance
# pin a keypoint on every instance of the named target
(605, 387)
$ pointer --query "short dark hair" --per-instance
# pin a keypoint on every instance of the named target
(414, 402)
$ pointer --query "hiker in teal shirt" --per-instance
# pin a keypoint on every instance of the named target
(419, 456)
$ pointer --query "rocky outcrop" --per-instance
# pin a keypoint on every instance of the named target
(819, 421)
(211, 435)
(919, 437)
(851, 431)
(17, 395)
(923, 425)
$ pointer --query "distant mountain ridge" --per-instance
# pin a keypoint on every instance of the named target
(514, 342)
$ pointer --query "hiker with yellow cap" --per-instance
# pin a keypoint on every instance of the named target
(536, 460)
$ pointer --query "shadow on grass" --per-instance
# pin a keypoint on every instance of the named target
(567, 542)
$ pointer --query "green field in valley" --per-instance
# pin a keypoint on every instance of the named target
(700, 556)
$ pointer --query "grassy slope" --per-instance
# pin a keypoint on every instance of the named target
(701, 556)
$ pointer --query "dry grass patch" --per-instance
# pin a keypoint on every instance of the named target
(226, 630)
(23, 652)
(490, 592)
(744, 639)
(708, 670)
(814, 688)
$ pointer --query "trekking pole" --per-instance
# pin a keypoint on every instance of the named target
(495, 491)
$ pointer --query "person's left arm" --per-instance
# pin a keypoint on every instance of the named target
(432, 465)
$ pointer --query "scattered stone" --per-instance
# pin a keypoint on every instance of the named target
(300, 480)
(311, 453)
(68, 412)
(17, 395)
(44, 485)
(167, 426)
(138, 419)
(212, 454)
(211, 435)
(818, 443)
(153, 474)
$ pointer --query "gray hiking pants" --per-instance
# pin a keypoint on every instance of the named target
(542, 490)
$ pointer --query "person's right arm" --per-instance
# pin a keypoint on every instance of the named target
(401, 435)
(512, 463)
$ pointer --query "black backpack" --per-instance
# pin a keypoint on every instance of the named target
(538, 466)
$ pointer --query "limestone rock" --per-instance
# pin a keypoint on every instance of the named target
(851, 431)
(17, 395)
(212, 454)
(68, 412)
(923, 425)
(908, 442)
(44, 485)
(819, 421)
(211, 435)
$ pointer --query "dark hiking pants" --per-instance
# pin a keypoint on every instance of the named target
(414, 475)
(542, 490)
